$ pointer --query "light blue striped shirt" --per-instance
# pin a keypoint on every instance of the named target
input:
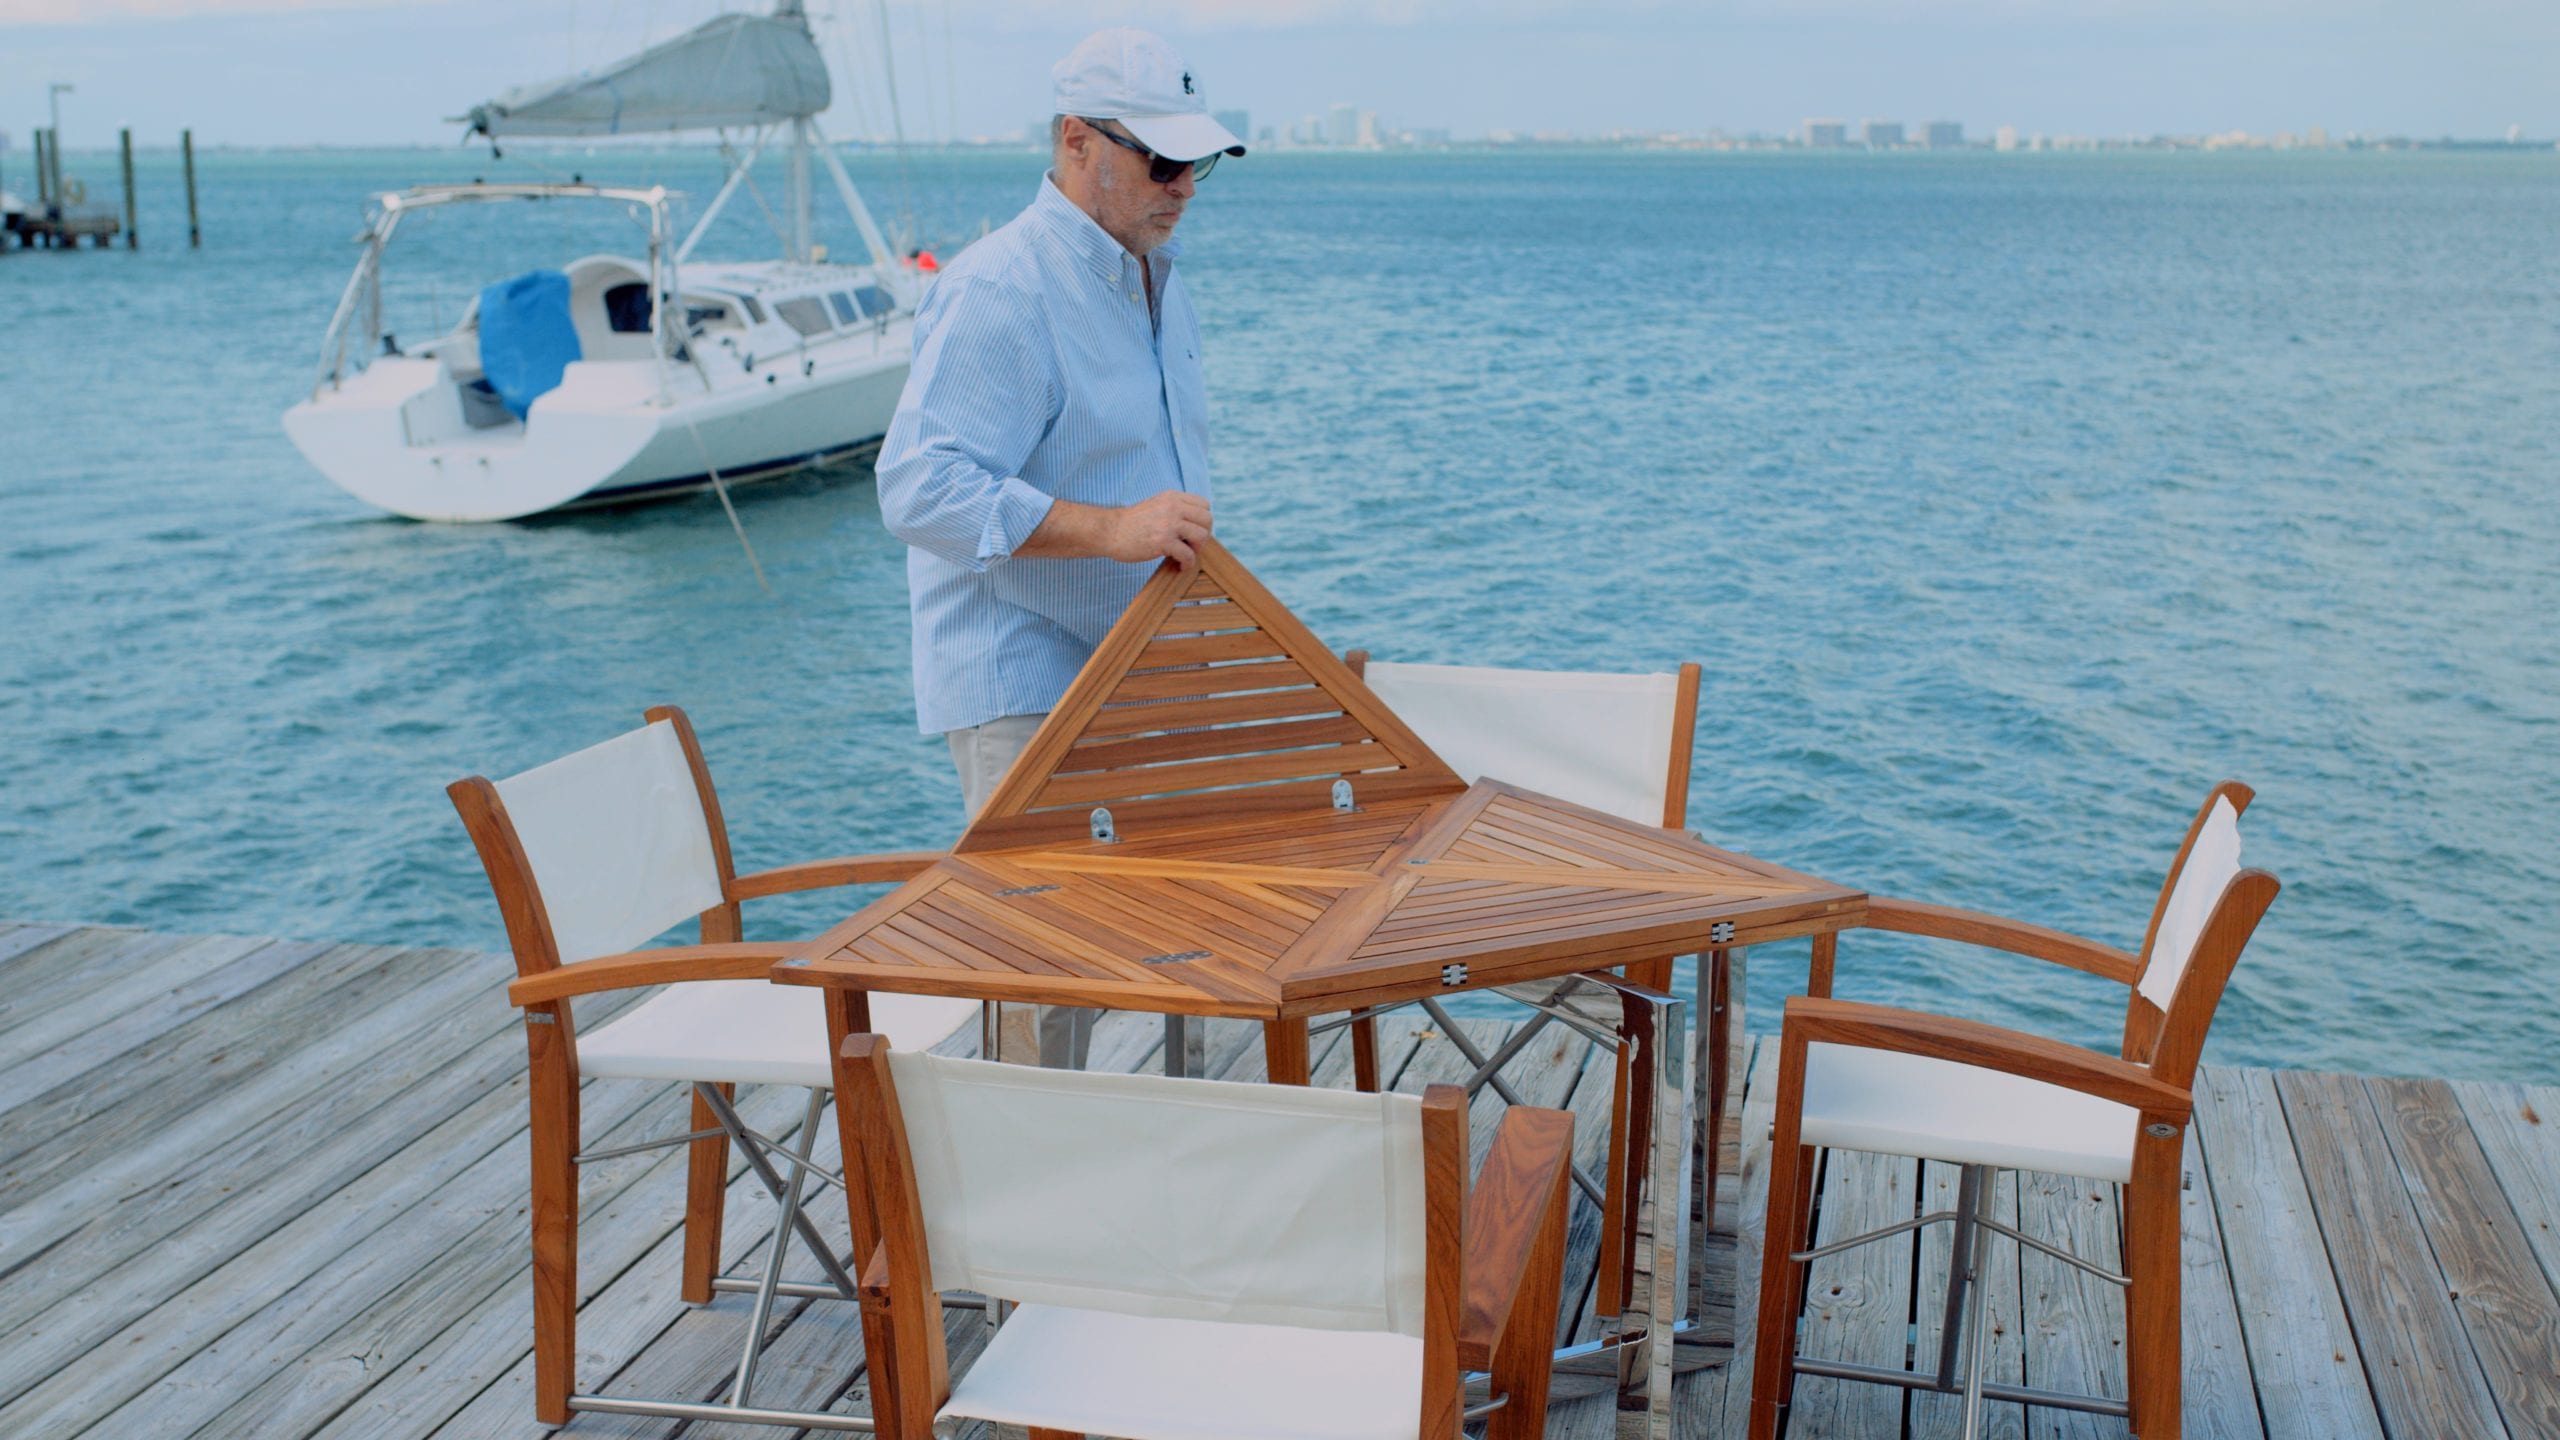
(1038, 376)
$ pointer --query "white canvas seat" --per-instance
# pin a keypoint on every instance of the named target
(592, 856)
(732, 1032)
(1901, 1104)
(1906, 1083)
(1196, 1260)
(1141, 1377)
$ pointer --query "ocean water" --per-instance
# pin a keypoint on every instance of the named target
(2008, 501)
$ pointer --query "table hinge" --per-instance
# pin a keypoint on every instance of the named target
(538, 1017)
(1342, 797)
(1024, 890)
(1102, 831)
(1453, 974)
(1720, 932)
(1174, 959)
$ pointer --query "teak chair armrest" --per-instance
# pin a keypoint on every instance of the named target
(885, 868)
(1520, 1190)
(1970, 1042)
(753, 961)
(1995, 932)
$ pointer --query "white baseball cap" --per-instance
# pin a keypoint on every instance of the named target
(1135, 78)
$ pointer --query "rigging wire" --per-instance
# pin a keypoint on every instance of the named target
(897, 120)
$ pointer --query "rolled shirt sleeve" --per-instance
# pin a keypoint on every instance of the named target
(981, 393)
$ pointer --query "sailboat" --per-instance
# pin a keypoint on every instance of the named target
(622, 377)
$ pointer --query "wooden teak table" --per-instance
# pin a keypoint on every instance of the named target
(1219, 819)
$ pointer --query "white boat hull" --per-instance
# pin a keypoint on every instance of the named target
(604, 434)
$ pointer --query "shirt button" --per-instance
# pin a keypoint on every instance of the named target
(1133, 294)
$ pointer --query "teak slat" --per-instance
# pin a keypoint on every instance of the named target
(1190, 650)
(1209, 681)
(1194, 775)
(1200, 617)
(1180, 715)
(1199, 744)
(1666, 881)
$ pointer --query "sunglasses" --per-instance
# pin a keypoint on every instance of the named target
(1159, 169)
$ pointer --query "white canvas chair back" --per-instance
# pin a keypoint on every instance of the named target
(617, 840)
(1597, 740)
(1138, 1195)
(2212, 863)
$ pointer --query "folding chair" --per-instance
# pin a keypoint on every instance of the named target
(590, 856)
(1866, 1077)
(1198, 1260)
(1615, 742)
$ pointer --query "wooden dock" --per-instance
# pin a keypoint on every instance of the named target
(257, 1187)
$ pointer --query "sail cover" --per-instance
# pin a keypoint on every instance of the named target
(735, 70)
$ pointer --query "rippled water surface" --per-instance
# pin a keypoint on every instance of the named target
(2009, 502)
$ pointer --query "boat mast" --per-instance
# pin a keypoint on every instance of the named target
(801, 248)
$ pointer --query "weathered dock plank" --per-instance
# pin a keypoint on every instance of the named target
(2425, 1380)
(1857, 1304)
(2220, 1400)
(2506, 1306)
(2519, 1130)
(2302, 1354)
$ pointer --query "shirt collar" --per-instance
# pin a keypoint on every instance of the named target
(1087, 241)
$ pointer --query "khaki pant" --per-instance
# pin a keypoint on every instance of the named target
(982, 754)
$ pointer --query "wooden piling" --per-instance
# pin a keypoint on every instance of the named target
(187, 154)
(124, 142)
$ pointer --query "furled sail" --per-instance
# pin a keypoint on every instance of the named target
(736, 70)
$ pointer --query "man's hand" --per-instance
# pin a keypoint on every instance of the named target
(1164, 526)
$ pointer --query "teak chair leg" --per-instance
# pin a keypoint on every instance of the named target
(1524, 1358)
(1039, 1434)
(1284, 1050)
(706, 1181)
(1781, 1279)
(554, 1092)
(1617, 1237)
(1364, 1056)
(2153, 1352)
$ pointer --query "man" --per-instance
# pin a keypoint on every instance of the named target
(1052, 443)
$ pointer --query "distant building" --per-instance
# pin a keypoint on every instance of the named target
(1826, 134)
(1309, 130)
(2005, 138)
(1342, 124)
(1945, 134)
(1368, 138)
(1433, 135)
(1268, 136)
(1881, 134)
(1238, 122)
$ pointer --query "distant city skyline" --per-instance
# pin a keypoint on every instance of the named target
(304, 71)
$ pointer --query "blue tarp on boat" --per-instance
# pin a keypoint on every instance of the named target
(526, 337)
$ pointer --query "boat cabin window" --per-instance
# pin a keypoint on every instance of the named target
(875, 301)
(804, 313)
(626, 308)
(698, 316)
(842, 304)
(755, 310)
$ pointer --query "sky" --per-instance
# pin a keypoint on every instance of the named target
(359, 72)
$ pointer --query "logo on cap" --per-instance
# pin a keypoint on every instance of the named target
(1186, 84)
